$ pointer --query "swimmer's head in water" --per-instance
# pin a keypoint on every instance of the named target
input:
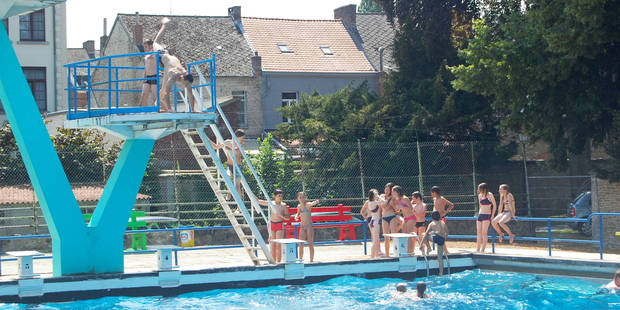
(401, 287)
(421, 288)
(435, 215)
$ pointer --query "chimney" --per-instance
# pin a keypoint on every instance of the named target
(89, 46)
(104, 39)
(348, 15)
(257, 65)
(138, 34)
(235, 13)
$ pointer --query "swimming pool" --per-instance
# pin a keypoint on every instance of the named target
(481, 289)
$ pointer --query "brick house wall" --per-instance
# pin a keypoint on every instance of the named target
(607, 200)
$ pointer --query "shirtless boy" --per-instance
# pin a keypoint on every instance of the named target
(150, 66)
(419, 209)
(403, 204)
(442, 205)
(276, 230)
(238, 158)
(304, 211)
(438, 231)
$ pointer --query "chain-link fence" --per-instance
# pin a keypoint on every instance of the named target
(173, 185)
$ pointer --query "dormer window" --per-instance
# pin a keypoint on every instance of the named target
(284, 48)
(326, 50)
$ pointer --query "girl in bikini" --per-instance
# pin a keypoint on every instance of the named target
(419, 209)
(485, 213)
(306, 232)
(371, 211)
(403, 204)
(505, 211)
(389, 219)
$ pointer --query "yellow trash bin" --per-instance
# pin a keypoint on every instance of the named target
(187, 236)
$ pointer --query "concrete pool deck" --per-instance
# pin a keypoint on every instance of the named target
(237, 257)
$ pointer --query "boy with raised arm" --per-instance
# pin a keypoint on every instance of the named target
(438, 231)
(150, 66)
(276, 229)
(306, 231)
(238, 158)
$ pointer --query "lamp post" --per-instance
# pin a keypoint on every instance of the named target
(523, 139)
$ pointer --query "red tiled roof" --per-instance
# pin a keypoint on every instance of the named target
(25, 194)
(305, 39)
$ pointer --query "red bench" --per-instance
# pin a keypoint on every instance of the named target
(326, 214)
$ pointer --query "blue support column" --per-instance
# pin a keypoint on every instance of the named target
(49, 181)
(114, 208)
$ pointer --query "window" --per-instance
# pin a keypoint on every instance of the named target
(326, 50)
(288, 98)
(242, 107)
(5, 22)
(284, 48)
(32, 26)
(36, 81)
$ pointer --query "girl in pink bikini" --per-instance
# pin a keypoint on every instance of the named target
(371, 211)
(403, 204)
(487, 208)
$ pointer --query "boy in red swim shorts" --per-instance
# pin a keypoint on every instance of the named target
(276, 229)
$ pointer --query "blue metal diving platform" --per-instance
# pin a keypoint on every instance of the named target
(106, 93)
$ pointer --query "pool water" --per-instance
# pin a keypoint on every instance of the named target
(474, 289)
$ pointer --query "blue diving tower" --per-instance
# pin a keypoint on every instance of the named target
(104, 93)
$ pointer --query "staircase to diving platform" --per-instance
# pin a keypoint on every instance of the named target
(135, 122)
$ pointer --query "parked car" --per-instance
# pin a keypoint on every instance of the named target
(581, 207)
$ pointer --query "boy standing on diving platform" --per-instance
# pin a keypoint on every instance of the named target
(174, 72)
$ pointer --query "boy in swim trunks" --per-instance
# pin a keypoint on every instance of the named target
(276, 229)
(238, 158)
(437, 231)
(306, 231)
(150, 67)
(442, 205)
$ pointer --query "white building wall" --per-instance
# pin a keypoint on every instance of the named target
(50, 54)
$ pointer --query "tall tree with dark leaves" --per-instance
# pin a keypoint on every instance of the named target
(423, 101)
(369, 6)
(552, 69)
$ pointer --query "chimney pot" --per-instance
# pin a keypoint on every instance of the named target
(348, 15)
(257, 65)
(89, 46)
(235, 13)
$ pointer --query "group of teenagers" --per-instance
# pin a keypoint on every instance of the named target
(393, 212)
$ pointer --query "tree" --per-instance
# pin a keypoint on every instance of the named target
(421, 99)
(551, 70)
(369, 6)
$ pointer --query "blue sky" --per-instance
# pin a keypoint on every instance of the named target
(85, 17)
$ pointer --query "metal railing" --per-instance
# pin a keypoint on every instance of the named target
(549, 239)
(112, 90)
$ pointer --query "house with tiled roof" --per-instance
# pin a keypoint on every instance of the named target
(301, 56)
(194, 38)
(377, 38)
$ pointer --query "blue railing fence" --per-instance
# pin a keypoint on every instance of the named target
(365, 238)
(113, 85)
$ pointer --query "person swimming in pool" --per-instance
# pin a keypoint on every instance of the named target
(438, 232)
(306, 231)
(614, 285)
(421, 289)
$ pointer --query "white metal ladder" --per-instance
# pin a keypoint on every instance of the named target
(222, 184)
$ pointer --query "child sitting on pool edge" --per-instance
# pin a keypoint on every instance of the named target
(306, 231)
(438, 231)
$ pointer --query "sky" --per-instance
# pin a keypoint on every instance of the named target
(85, 17)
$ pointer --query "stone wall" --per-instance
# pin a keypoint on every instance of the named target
(606, 199)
